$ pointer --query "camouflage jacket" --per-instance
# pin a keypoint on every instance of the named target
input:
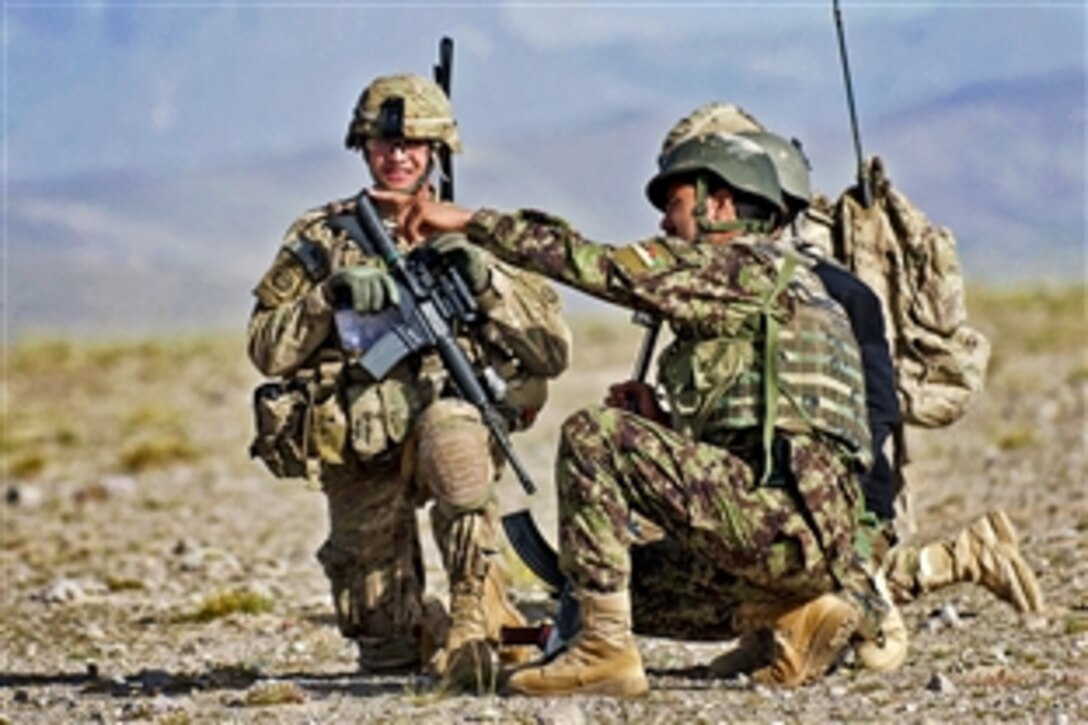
(720, 301)
(291, 334)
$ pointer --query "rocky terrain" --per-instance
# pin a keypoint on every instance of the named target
(151, 572)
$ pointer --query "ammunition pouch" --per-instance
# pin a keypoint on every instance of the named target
(280, 411)
(300, 421)
(381, 414)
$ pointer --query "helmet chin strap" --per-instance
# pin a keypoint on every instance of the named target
(706, 226)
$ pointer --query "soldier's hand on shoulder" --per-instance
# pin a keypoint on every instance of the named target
(364, 288)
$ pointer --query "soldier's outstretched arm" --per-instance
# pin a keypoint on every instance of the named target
(528, 239)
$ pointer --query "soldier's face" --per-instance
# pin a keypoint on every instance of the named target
(397, 164)
(679, 216)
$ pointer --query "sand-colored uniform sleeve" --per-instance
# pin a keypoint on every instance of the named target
(292, 317)
(525, 313)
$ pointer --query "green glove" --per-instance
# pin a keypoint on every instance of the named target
(364, 288)
(470, 260)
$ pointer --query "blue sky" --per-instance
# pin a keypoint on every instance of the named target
(103, 85)
(149, 134)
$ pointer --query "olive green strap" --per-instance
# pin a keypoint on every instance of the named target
(770, 364)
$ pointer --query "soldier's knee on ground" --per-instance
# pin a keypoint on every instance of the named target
(379, 604)
(453, 455)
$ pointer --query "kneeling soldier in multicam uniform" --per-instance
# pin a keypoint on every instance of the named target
(753, 468)
(382, 448)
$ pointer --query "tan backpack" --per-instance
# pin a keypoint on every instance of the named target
(912, 265)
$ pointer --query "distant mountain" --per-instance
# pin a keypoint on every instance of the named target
(1001, 163)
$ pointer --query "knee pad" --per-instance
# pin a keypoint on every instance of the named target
(453, 455)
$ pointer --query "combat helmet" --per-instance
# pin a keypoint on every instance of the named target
(713, 117)
(738, 162)
(791, 165)
(404, 106)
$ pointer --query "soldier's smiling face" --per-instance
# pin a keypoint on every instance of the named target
(397, 164)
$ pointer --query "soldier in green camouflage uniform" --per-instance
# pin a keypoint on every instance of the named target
(987, 551)
(675, 595)
(380, 449)
(753, 468)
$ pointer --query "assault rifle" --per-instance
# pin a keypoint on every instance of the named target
(432, 302)
(443, 76)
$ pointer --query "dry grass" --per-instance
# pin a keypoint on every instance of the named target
(170, 418)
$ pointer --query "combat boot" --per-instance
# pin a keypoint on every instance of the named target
(887, 650)
(467, 662)
(986, 553)
(500, 612)
(602, 660)
(807, 638)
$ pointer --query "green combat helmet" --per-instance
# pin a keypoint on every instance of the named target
(738, 162)
(403, 106)
(714, 117)
(792, 167)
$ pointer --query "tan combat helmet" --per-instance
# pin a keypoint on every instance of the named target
(714, 117)
(792, 167)
(403, 106)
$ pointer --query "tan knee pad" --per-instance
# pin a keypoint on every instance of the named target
(453, 455)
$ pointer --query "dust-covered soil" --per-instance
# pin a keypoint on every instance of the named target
(151, 571)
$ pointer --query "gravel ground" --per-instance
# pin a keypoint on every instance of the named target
(152, 573)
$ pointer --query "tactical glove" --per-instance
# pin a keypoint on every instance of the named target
(363, 288)
(471, 261)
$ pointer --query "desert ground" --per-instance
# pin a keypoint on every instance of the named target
(151, 571)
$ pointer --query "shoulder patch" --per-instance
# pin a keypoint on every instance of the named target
(643, 257)
(287, 280)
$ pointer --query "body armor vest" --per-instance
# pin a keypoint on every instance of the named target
(793, 371)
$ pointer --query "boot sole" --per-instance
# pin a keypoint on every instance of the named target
(626, 687)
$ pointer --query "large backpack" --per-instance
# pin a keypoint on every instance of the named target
(913, 267)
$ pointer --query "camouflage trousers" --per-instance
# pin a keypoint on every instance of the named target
(373, 558)
(728, 538)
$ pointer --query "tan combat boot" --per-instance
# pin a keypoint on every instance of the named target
(500, 612)
(467, 662)
(986, 553)
(888, 650)
(807, 638)
(602, 660)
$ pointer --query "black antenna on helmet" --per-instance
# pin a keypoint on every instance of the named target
(443, 76)
(863, 175)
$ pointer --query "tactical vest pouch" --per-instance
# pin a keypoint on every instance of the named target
(381, 416)
(328, 432)
(697, 374)
(281, 421)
